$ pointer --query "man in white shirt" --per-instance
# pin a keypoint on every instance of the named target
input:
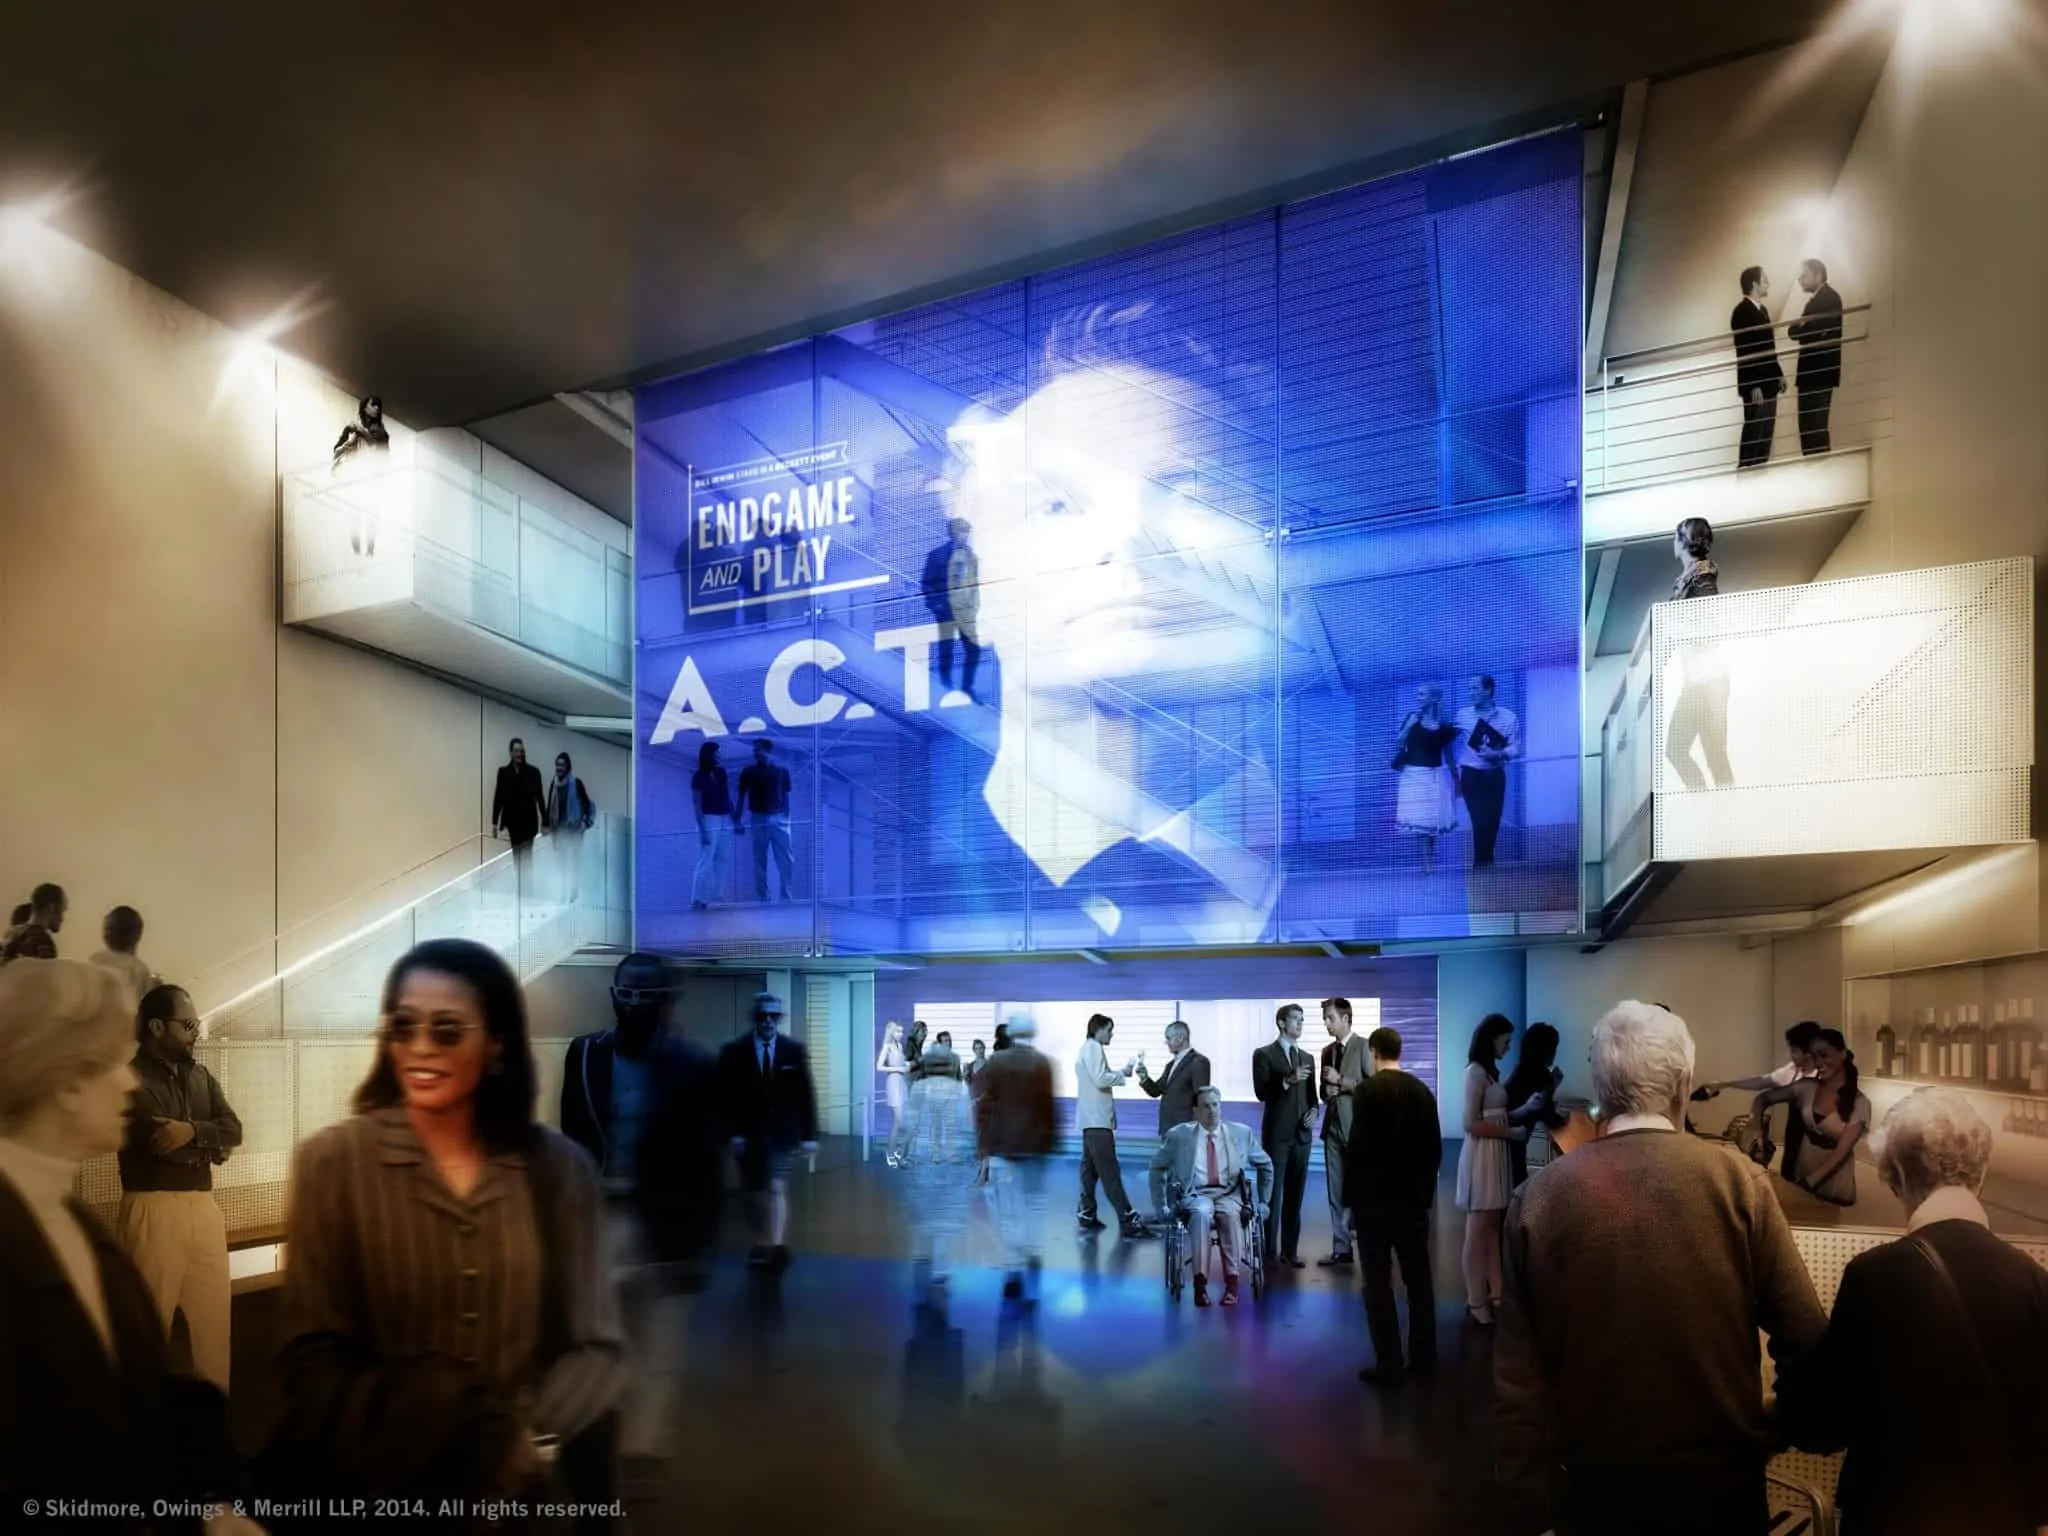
(122, 933)
(1095, 1115)
(1489, 738)
(1203, 1160)
(1773, 1088)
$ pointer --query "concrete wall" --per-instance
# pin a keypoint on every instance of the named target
(1719, 986)
(169, 746)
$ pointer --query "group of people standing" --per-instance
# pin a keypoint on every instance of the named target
(1760, 379)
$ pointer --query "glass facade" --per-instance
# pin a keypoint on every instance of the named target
(1221, 591)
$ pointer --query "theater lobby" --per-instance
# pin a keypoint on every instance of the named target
(757, 756)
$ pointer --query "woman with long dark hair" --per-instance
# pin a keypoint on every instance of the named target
(451, 1331)
(711, 798)
(1532, 1091)
(1485, 1175)
(1836, 1115)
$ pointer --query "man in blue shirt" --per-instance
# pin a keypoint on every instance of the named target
(764, 801)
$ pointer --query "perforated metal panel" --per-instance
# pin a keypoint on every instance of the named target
(1886, 711)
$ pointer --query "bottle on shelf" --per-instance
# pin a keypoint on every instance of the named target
(1994, 1047)
(1944, 1045)
(1924, 1046)
(2028, 1062)
(1973, 1046)
(1887, 1050)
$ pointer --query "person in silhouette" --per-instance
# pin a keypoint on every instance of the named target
(519, 806)
(1701, 712)
(1758, 377)
(951, 584)
(1818, 330)
(366, 431)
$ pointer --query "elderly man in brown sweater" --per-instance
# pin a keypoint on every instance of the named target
(1627, 1378)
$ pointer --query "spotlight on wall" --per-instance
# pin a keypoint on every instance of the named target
(25, 221)
(250, 353)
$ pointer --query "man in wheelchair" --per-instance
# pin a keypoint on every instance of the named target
(1207, 1163)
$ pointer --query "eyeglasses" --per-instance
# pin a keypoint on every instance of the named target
(446, 1033)
(633, 997)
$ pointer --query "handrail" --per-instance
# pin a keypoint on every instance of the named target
(1719, 365)
(1718, 339)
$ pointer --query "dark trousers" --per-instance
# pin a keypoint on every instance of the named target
(1384, 1237)
(971, 654)
(1098, 1162)
(1333, 1177)
(1486, 796)
(1759, 425)
(1813, 419)
(1663, 1502)
(1795, 1136)
(1290, 1182)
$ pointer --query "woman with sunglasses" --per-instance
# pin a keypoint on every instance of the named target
(451, 1331)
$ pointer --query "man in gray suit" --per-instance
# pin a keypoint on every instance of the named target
(1186, 1074)
(1204, 1160)
(1344, 1068)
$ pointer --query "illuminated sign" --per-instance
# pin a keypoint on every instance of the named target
(762, 531)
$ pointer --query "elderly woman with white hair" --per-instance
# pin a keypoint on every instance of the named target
(1931, 1374)
(89, 1406)
(1640, 1268)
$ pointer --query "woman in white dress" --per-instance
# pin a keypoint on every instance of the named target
(1486, 1177)
(1426, 799)
(894, 1069)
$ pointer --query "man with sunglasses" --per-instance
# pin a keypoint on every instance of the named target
(771, 1114)
(638, 1100)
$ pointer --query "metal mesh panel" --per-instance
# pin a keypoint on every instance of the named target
(1846, 715)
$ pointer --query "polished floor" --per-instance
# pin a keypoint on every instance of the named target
(826, 1399)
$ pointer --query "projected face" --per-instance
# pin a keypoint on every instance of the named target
(1083, 541)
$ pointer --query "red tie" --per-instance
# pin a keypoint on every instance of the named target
(1215, 1173)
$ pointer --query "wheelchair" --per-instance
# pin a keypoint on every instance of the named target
(1179, 1238)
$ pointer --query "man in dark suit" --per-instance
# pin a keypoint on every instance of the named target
(951, 587)
(1818, 330)
(519, 805)
(639, 1101)
(1187, 1072)
(1284, 1078)
(1343, 1069)
(771, 1114)
(1758, 378)
(1391, 1163)
(1929, 1374)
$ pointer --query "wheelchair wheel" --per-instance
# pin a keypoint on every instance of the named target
(1255, 1255)
(1176, 1267)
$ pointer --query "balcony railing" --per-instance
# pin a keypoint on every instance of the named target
(373, 533)
(1674, 412)
(1879, 712)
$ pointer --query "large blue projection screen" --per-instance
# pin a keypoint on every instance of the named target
(1229, 507)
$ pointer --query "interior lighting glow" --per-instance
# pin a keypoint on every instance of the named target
(251, 356)
(1938, 887)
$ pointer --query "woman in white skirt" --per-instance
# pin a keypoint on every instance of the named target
(894, 1070)
(1426, 800)
(1486, 1177)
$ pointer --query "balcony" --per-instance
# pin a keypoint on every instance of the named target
(438, 566)
(1777, 750)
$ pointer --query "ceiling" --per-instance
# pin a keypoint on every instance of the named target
(489, 204)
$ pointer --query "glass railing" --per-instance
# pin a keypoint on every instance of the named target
(371, 532)
(1879, 712)
(1674, 412)
(322, 977)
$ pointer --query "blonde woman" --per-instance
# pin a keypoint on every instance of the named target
(86, 1389)
(894, 1068)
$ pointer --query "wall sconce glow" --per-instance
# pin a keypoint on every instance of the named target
(27, 242)
(1935, 887)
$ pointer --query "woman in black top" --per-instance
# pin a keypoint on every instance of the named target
(1532, 1091)
(1701, 713)
(711, 796)
(1426, 802)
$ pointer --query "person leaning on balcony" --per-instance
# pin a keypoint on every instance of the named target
(1701, 712)
(1930, 1372)
(89, 1406)
(1758, 378)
